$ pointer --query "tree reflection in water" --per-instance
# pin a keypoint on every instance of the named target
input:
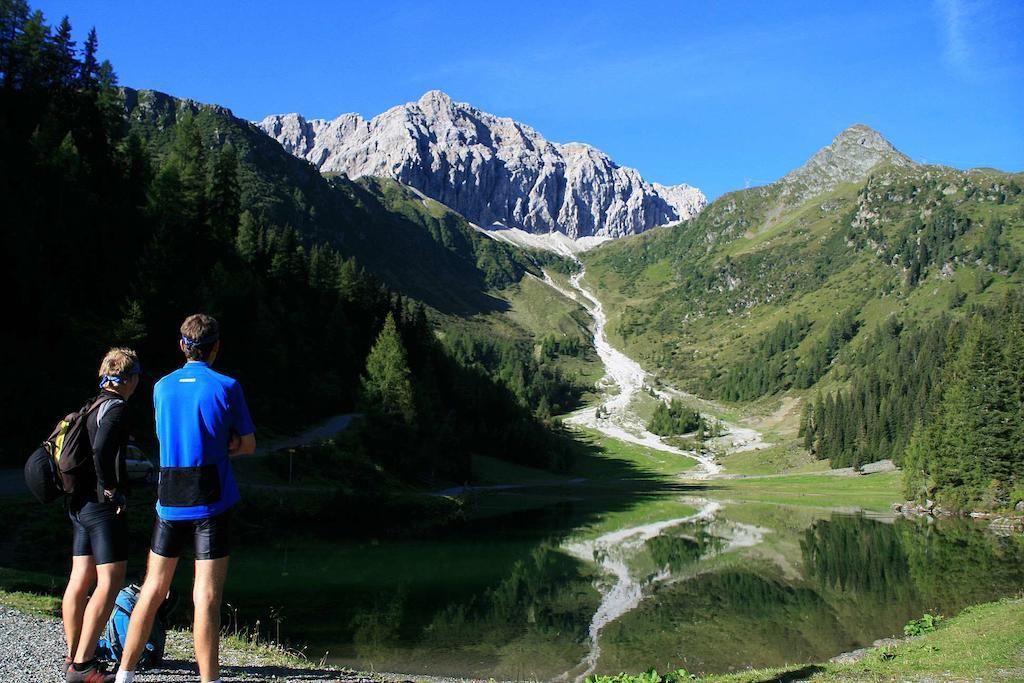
(943, 565)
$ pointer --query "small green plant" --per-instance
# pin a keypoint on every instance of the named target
(678, 676)
(926, 624)
(649, 676)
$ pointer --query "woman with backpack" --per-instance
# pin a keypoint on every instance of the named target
(97, 510)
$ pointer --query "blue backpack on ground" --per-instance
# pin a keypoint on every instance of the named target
(111, 645)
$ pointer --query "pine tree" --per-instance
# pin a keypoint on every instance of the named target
(88, 73)
(288, 261)
(13, 17)
(323, 264)
(543, 411)
(138, 169)
(352, 281)
(65, 64)
(29, 52)
(223, 195)
(188, 158)
(108, 101)
(249, 241)
(165, 205)
(918, 481)
(1001, 408)
(386, 384)
(674, 418)
(1014, 374)
(132, 327)
(961, 418)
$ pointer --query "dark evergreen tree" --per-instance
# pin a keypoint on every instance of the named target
(223, 196)
(967, 454)
(386, 385)
(674, 418)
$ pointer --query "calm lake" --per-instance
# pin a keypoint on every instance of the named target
(561, 582)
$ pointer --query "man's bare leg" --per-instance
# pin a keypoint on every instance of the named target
(76, 595)
(159, 573)
(109, 579)
(206, 595)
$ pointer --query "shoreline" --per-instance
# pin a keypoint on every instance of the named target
(983, 642)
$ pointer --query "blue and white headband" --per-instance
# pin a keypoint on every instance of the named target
(117, 379)
(205, 341)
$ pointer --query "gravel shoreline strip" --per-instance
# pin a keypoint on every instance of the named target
(33, 648)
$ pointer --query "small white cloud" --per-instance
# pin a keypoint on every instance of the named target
(980, 39)
(958, 50)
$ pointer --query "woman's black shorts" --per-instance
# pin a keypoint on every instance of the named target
(211, 537)
(99, 531)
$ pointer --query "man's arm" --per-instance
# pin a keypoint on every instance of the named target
(242, 445)
(243, 439)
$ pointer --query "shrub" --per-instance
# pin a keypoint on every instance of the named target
(926, 624)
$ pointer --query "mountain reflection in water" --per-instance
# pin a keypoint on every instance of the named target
(509, 598)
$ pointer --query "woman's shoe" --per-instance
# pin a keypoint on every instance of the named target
(93, 673)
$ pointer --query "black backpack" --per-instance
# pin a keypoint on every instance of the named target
(54, 468)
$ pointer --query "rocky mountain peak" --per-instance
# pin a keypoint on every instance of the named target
(860, 143)
(848, 158)
(862, 134)
(492, 170)
(435, 98)
(436, 104)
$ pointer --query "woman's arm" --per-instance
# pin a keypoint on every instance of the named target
(109, 440)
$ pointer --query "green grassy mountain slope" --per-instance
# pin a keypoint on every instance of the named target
(783, 288)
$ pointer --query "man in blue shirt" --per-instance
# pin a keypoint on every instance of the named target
(201, 420)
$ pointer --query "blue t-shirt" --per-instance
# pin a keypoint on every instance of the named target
(197, 409)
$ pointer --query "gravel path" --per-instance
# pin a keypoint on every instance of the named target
(33, 647)
(327, 429)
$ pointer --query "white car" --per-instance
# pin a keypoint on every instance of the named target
(140, 468)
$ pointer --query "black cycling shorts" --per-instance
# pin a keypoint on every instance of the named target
(99, 531)
(210, 537)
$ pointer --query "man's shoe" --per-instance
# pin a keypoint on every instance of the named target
(94, 673)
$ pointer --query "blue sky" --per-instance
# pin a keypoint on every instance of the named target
(718, 95)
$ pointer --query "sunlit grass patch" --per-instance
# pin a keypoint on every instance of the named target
(647, 460)
(875, 492)
(774, 460)
(31, 603)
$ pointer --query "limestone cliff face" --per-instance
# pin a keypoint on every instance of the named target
(491, 170)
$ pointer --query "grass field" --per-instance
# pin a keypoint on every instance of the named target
(612, 452)
(611, 482)
(875, 492)
(783, 458)
(604, 459)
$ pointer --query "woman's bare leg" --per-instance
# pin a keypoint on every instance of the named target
(76, 595)
(109, 579)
